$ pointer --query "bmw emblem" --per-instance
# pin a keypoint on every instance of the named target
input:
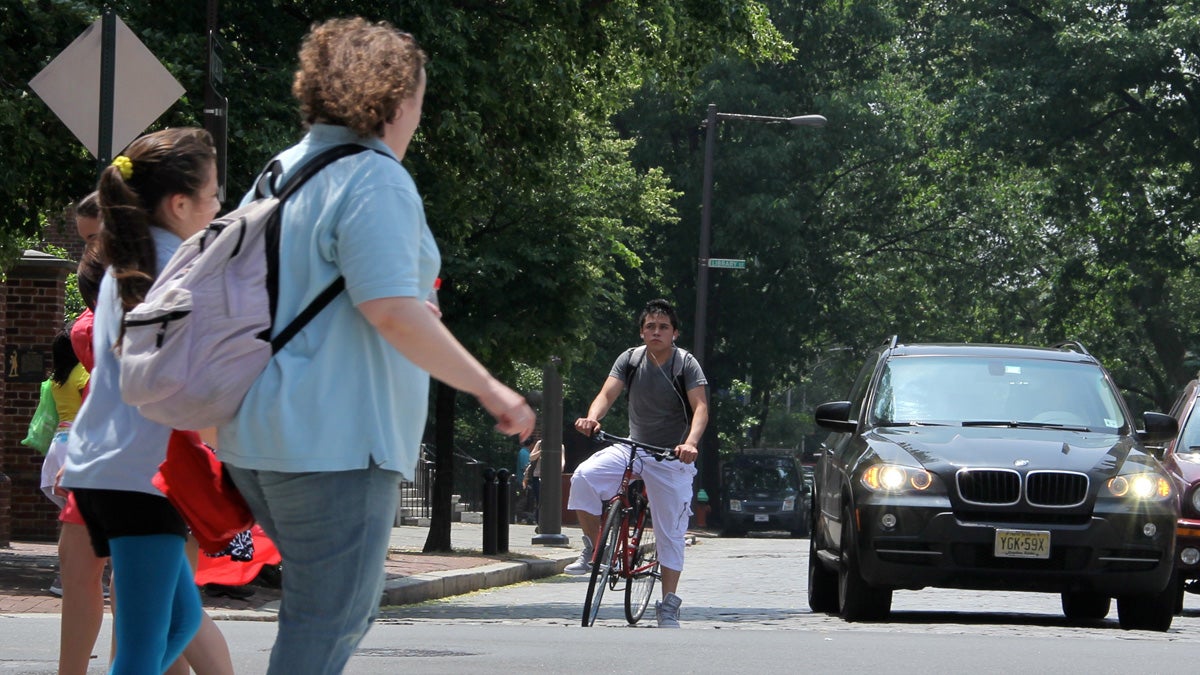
(1021, 462)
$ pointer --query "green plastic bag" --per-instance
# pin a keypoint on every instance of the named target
(44, 422)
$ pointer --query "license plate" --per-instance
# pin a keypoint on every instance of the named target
(1022, 544)
(761, 517)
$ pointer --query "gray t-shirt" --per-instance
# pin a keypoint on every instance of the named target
(658, 412)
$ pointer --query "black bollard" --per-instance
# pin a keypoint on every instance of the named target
(502, 508)
(489, 511)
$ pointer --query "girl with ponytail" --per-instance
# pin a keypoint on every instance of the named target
(160, 191)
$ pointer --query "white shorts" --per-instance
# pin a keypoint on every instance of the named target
(56, 456)
(668, 485)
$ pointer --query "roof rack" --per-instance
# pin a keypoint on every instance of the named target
(1072, 345)
(893, 341)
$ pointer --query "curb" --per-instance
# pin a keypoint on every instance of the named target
(435, 585)
(418, 588)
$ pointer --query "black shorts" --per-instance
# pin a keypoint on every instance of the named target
(109, 514)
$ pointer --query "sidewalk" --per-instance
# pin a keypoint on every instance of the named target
(27, 568)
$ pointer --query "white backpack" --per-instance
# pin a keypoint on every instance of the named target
(202, 336)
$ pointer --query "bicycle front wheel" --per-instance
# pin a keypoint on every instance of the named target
(606, 563)
(644, 571)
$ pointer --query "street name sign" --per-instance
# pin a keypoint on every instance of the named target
(727, 263)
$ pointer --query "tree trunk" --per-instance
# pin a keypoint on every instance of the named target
(438, 539)
(762, 408)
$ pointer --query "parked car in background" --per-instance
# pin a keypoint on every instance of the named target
(992, 468)
(1182, 461)
(764, 489)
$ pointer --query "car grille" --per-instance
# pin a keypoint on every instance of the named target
(1002, 487)
(996, 487)
(1055, 488)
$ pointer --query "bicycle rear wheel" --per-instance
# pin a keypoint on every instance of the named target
(607, 562)
(644, 571)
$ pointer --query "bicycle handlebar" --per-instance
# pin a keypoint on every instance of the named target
(659, 453)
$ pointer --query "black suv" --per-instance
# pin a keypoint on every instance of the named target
(764, 489)
(991, 467)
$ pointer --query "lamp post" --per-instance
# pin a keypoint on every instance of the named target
(710, 142)
(708, 453)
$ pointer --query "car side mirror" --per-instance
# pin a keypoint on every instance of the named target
(1160, 429)
(835, 416)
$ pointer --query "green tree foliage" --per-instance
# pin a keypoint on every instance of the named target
(992, 171)
(539, 214)
(1099, 102)
(793, 201)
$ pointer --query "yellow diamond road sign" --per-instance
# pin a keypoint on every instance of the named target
(70, 86)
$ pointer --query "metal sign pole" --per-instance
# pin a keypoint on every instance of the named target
(108, 69)
(216, 106)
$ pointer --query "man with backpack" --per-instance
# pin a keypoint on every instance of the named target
(668, 406)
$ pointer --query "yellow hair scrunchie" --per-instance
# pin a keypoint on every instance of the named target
(124, 165)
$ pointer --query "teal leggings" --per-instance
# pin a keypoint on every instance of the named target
(159, 609)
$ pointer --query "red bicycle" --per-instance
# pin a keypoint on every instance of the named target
(625, 551)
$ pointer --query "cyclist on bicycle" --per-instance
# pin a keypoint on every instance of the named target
(668, 406)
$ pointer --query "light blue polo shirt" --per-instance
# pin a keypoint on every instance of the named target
(338, 396)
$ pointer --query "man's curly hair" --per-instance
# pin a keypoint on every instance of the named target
(355, 73)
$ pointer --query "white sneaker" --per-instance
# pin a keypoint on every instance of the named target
(582, 564)
(667, 611)
(56, 586)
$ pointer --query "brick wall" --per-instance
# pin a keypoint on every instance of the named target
(64, 235)
(31, 312)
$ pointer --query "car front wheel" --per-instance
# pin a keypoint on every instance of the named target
(822, 584)
(1149, 612)
(857, 600)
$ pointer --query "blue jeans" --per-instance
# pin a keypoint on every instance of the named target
(332, 530)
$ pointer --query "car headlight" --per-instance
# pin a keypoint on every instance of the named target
(789, 504)
(735, 505)
(1196, 499)
(896, 478)
(1145, 486)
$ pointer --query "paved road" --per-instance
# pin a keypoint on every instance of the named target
(745, 610)
(759, 583)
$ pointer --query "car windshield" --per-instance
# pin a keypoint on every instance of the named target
(978, 391)
(767, 477)
(1189, 435)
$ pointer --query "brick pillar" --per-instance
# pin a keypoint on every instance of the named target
(31, 311)
(5, 483)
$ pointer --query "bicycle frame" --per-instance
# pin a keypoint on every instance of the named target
(618, 553)
(631, 517)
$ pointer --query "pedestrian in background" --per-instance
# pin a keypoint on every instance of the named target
(523, 456)
(81, 570)
(523, 512)
(69, 382)
(531, 481)
(533, 478)
(334, 423)
(161, 190)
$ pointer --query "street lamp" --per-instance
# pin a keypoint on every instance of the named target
(708, 451)
(710, 141)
